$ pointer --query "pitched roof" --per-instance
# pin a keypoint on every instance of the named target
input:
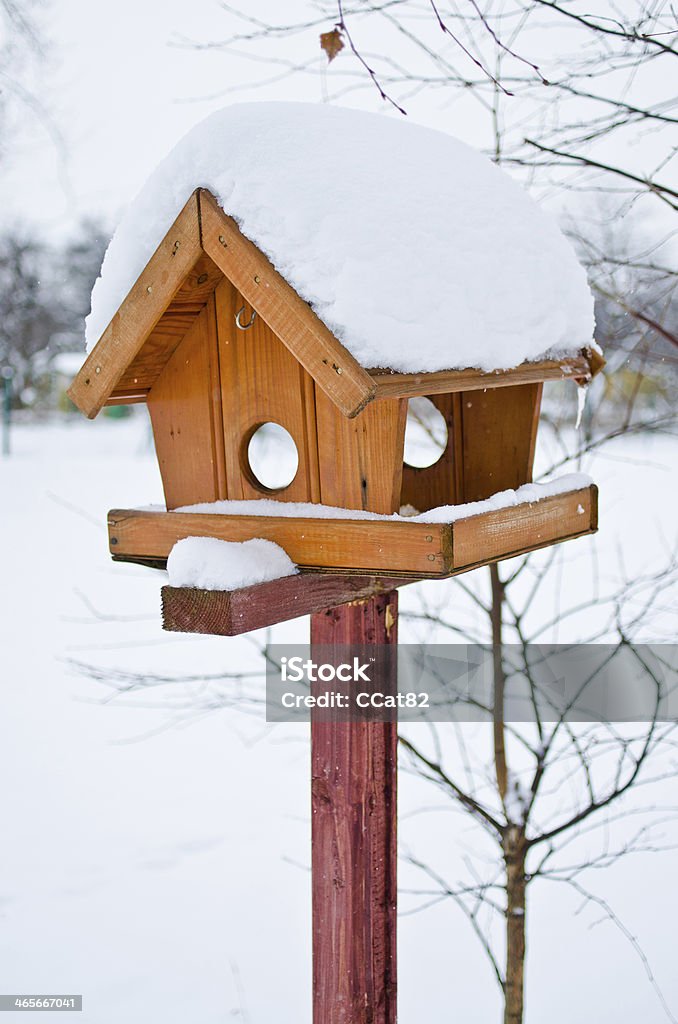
(204, 245)
(416, 251)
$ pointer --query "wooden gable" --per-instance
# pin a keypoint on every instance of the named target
(221, 384)
(202, 247)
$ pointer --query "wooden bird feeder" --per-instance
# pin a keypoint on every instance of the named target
(217, 343)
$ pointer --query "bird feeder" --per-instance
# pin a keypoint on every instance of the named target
(221, 347)
(217, 344)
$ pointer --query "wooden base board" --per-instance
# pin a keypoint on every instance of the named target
(371, 546)
(233, 612)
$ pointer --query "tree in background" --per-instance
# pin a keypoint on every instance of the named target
(28, 317)
(23, 53)
(44, 288)
(44, 298)
(560, 91)
(578, 104)
(546, 789)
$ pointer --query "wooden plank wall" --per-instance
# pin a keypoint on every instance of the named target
(499, 434)
(205, 405)
(361, 459)
(260, 382)
(491, 443)
(216, 389)
(185, 410)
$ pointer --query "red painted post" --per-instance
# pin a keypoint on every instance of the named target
(354, 776)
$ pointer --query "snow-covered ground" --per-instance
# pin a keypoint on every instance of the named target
(156, 860)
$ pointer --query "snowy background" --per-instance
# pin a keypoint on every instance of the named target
(156, 859)
(155, 845)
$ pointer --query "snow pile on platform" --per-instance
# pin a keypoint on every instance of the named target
(415, 250)
(211, 564)
(528, 493)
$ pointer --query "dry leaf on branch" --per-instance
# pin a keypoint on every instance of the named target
(331, 43)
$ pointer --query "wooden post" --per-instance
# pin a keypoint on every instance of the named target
(354, 776)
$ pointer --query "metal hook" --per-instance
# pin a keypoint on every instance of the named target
(241, 326)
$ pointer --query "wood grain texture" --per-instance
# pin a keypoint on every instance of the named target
(354, 832)
(139, 313)
(216, 398)
(185, 420)
(187, 303)
(409, 385)
(289, 317)
(128, 398)
(441, 483)
(491, 442)
(361, 459)
(496, 535)
(498, 438)
(261, 381)
(360, 547)
(233, 612)
(370, 547)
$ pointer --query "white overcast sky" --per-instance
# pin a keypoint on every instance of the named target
(122, 91)
(121, 94)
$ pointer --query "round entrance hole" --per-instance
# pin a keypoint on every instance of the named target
(425, 434)
(272, 457)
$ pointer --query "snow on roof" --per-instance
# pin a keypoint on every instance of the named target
(415, 250)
